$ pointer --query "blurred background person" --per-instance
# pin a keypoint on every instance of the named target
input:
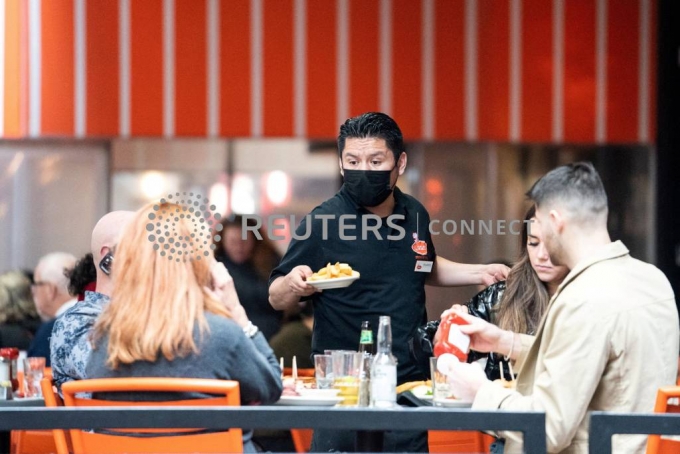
(178, 318)
(51, 296)
(516, 304)
(18, 316)
(295, 339)
(83, 277)
(249, 262)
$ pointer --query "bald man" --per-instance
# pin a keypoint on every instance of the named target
(69, 345)
(51, 297)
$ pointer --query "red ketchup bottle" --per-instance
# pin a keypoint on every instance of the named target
(452, 340)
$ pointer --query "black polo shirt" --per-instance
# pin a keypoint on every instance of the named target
(389, 283)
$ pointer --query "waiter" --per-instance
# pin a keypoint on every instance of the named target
(382, 233)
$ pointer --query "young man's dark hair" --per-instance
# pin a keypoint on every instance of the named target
(375, 125)
(81, 275)
(577, 187)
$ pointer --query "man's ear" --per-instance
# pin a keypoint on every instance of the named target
(557, 221)
(342, 172)
(52, 291)
(401, 163)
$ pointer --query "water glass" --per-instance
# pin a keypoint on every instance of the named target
(346, 368)
(323, 371)
(34, 369)
(441, 390)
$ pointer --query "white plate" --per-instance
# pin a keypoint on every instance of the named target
(423, 392)
(317, 401)
(313, 392)
(452, 403)
(338, 282)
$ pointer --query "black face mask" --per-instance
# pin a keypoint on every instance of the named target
(369, 188)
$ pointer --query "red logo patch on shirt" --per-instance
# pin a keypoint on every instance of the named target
(419, 246)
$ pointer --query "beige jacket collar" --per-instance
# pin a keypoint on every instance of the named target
(610, 251)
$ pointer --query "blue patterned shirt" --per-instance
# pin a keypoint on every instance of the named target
(70, 343)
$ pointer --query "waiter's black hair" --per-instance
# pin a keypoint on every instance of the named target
(373, 125)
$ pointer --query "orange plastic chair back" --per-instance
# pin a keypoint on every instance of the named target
(226, 392)
(52, 399)
(458, 441)
(656, 444)
(39, 441)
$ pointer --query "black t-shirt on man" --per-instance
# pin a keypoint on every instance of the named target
(389, 283)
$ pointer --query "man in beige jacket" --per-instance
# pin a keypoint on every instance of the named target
(609, 337)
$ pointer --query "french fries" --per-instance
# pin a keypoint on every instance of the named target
(331, 271)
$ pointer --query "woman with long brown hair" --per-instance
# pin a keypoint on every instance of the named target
(516, 304)
(249, 261)
(174, 313)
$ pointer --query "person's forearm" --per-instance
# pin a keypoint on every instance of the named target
(451, 274)
(280, 297)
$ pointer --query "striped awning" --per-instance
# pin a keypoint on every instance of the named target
(552, 71)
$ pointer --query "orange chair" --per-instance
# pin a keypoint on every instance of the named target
(302, 439)
(38, 441)
(226, 392)
(656, 444)
(52, 399)
(441, 441)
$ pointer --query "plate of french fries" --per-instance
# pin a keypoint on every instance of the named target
(339, 275)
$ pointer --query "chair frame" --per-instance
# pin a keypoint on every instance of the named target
(655, 445)
(227, 393)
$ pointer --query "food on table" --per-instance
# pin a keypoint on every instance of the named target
(332, 272)
(510, 384)
(409, 386)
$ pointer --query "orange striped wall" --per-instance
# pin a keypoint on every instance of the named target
(554, 71)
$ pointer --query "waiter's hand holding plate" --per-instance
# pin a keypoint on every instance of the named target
(340, 275)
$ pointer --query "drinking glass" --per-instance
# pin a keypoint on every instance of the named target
(34, 369)
(346, 366)
(441, 390)
(323, 371)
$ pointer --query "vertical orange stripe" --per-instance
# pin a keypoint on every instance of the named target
(321, 69)
(13, 76)
(235, 68)
(102, 68)
(537, 71)
(493, 74)
(622, 70)
(57, 70)
(278, 68)
(653, 43)
(579, 71)
(146, 68)
(449, 69)
(190, 64)
(406, 66)
(363, 51)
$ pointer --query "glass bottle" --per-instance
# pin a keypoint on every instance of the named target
(384, 368)
(366, 339)
(366, 350)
